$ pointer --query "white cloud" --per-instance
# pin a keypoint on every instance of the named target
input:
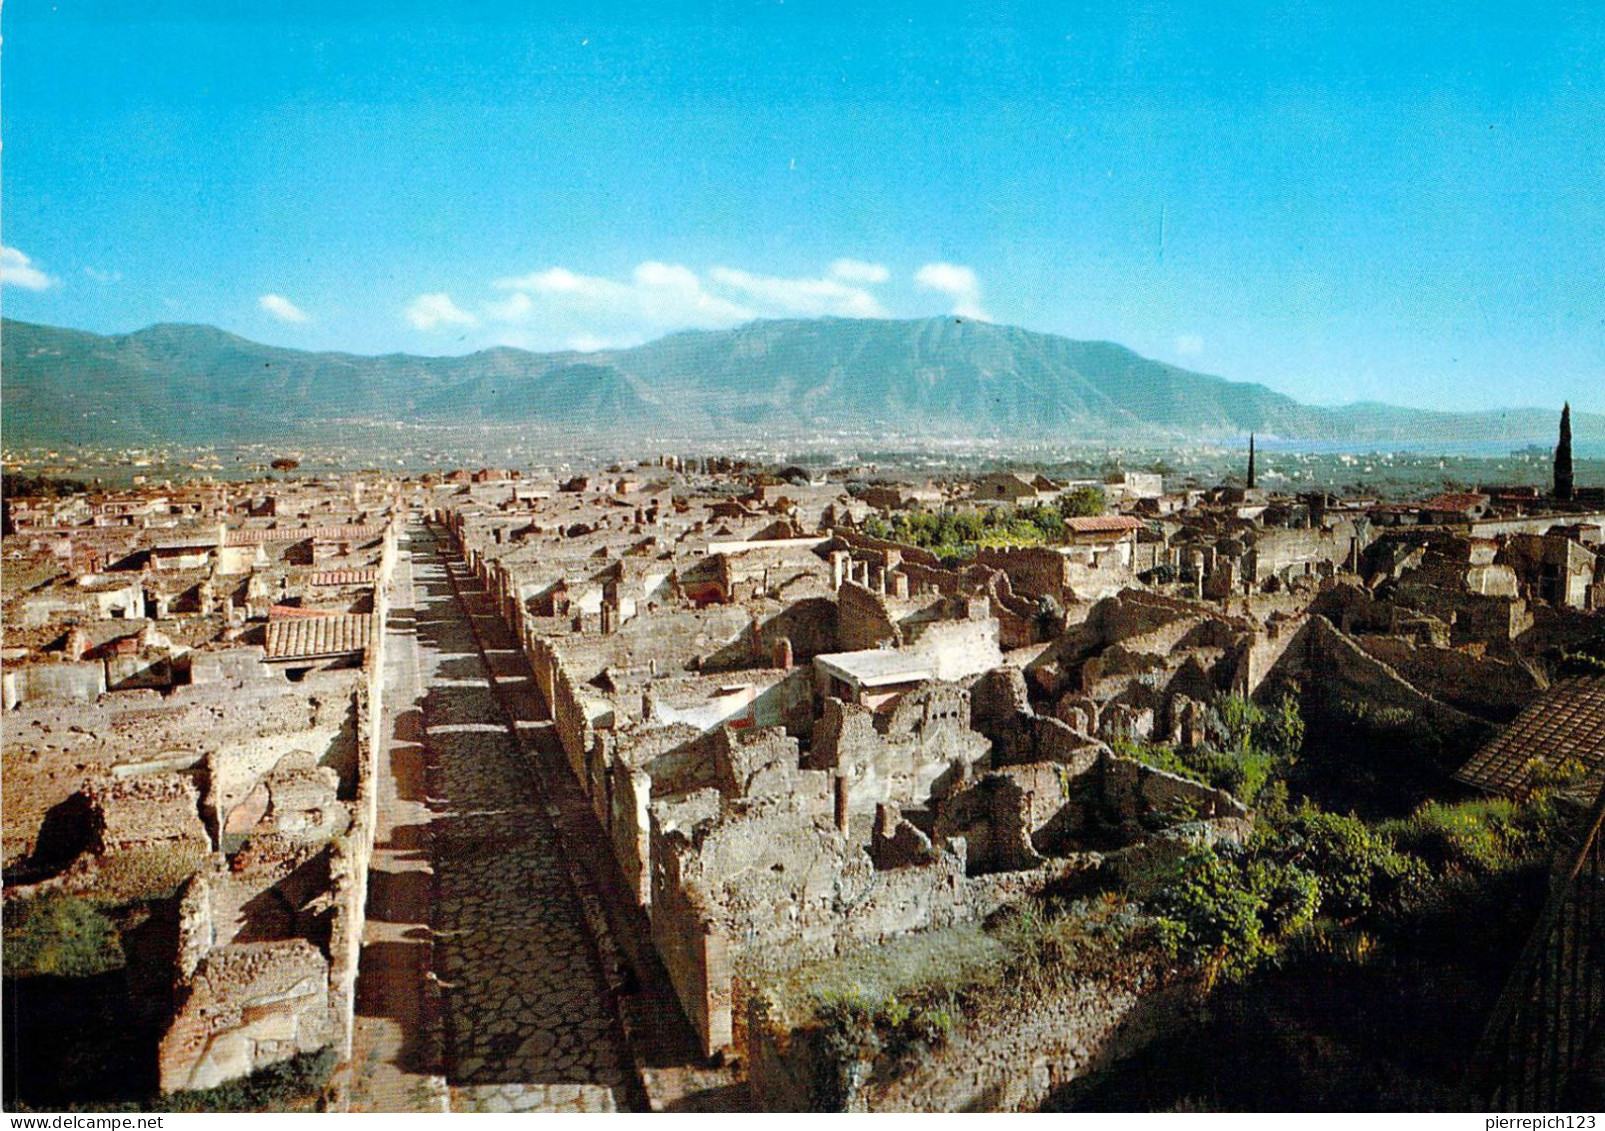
(591, 311)
(857, 271)
(104, 277)
(426, 312)
(958, 283)
(1189, 345)
(808, 298)
(282, 308)
(17, 270)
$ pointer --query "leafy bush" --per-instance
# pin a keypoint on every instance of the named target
(1083, 502)
(1227, 910)
(296, 1084)
(60, 935)
(1358, 869)
(855, 1027)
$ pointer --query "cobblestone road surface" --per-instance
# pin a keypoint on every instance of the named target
(528, 1023)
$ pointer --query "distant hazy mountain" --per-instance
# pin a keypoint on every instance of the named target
(939, 376)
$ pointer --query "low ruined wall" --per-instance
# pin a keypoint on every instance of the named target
(857, 540)
(249, 1006)
(1033, 572)
(1013, 1061)
(84, 682)
(1133, 789)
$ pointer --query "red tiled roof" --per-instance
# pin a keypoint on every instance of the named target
(1102, 524)
(255, 537)
(344, 577)
(278, 612)
(1455, 502)
(304, 638)
(1568, 722)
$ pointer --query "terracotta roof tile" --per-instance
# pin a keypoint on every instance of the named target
(344, 577)
(1102, 524)
(1568, 722)
(256, 536)
(301, 638)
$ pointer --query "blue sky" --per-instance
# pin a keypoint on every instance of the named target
(1396, 202)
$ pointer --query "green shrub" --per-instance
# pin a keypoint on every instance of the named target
(296, 1084)
(1476, 836)
(855, 1028)
(1083, 502)
(1358, 869)
(60, 935)
(1227, 910)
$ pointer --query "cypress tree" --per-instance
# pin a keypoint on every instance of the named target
(1563, 456)
(1251, 461)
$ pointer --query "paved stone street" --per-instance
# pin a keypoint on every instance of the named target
(528, 1020)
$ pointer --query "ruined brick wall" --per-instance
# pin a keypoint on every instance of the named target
(82, 681)
(1290, 550)
(930, 743)
(1133, 790)
(1334, 669)
(689, 939)
(927, 579)
(352, 852)
(961, 649)
(1032, 571)
(862, 619)
(248, 1006)
(857, 540)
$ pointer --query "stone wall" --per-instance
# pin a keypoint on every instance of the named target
(81, 681)
(862, 619)
(1032, 571)
(1333, 669)
(247, 1006)
(1013, 1059)
(1480, 685)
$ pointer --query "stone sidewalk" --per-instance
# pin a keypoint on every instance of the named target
(395, 1054)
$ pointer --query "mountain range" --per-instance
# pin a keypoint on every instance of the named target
(949, 377)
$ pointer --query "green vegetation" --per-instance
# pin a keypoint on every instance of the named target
(954, 534)
(1225, 910)
(296, 1084)
(1587, 658)
(37, 486)
(148, 873)
(1247, 747)
(60, 935)
(1358, 868)
(1083, 502)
